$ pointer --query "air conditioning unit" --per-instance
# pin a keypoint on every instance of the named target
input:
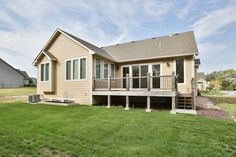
(34, 98)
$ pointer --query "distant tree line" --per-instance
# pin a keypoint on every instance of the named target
(224, 79)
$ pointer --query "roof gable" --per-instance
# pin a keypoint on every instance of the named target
(90, 47)
(44, 53)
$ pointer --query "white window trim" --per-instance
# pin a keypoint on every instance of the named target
(49, 75)
(184, 70)
(79, 79)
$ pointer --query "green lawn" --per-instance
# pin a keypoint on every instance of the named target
(212, 93)
(226, 102)
(42, 130)
(17, 91)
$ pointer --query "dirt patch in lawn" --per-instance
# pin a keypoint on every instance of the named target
(207, 108)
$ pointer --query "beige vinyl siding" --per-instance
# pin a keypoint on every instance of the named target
(63, 49)
(186, 87)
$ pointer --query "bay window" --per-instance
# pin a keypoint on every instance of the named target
(44, 72)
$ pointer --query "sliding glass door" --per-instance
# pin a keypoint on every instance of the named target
(156, 76)
(144, 72)
(139, 75)
(125, 71)
(135, 75)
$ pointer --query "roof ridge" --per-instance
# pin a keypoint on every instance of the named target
(12, 67)
(152, 38)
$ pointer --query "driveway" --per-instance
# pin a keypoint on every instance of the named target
(229, 93)
(207, 108)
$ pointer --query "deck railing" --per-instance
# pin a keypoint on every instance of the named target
(127, 83)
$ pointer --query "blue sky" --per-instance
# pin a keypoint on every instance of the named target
(26, 25)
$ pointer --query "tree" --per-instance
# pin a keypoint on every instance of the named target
(226, 78)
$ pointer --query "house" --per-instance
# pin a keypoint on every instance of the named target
(9, 76)
(160, 69)
(27, 79)
(202, 84)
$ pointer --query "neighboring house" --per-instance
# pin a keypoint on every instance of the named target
(33, 81)
(202, 84)
(70, 68)
(9, 76)
(27, 79)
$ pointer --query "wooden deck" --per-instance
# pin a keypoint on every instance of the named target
(160, 93)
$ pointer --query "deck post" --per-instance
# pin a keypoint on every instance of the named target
(108, 101)
(148, 82)
(109, 82)
(127, 82)
(173, 111)
(93, 84)
(127, 103)
(148, 104)
(173, 81)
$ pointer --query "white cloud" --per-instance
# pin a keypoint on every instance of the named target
(30, 23)
(215, 21)
(183, 12)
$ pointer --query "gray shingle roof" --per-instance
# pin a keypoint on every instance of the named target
(181, 44)
(201, 75)
(24, 73)
(17, 70)
(159, 47)
(92, 47)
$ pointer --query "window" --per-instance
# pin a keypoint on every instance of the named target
(76, 69)
(98, 68)
(180, 70)
(68, 70)
(105, 69)
(112, 70)
(44, 72)
(156, 74)
(144, 72)
(125, 71)
(135, 72)
(83, 68)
